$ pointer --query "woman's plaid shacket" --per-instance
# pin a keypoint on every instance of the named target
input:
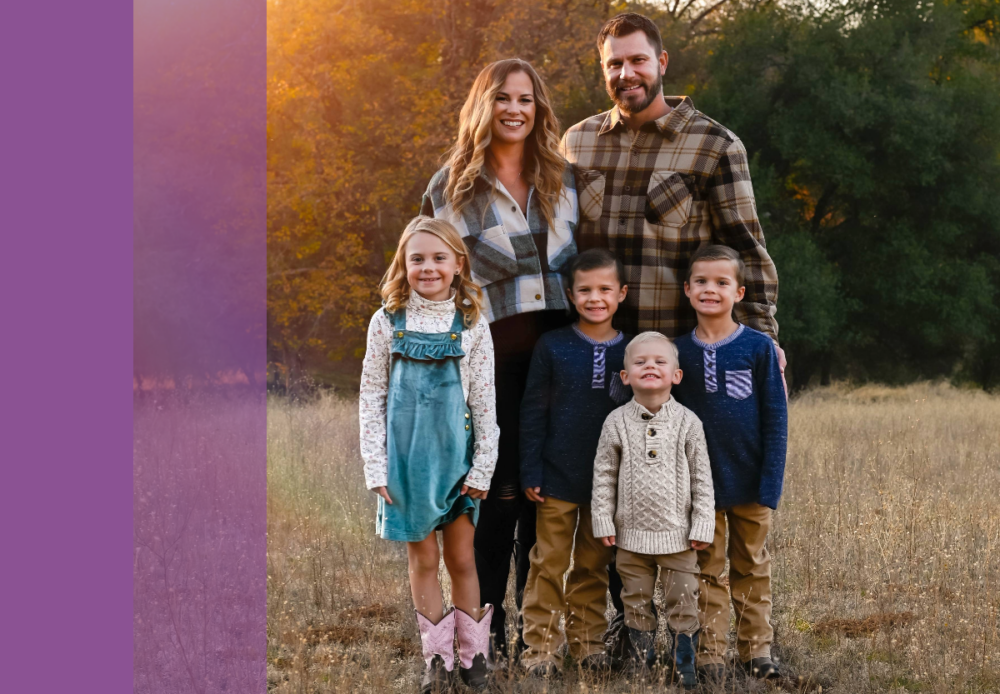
(515, 258)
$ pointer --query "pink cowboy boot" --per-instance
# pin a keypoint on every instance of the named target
(438, 644)
(473, 645)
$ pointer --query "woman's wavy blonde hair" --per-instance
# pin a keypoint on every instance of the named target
(543, 166)
(395, 288)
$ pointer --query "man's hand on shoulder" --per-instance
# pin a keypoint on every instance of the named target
(782, 363)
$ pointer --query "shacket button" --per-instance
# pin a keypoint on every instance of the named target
(628, 189)
(621, 220)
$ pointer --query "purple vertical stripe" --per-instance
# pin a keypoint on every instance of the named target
(66, 287)
(198, 552)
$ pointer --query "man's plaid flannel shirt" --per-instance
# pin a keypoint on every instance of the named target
(654, 196)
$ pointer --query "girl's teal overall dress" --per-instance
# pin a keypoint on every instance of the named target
(429, 434)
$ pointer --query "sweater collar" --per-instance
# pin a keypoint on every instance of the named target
(426, 307)
(607, 343)
(637, 412)
(721, 343)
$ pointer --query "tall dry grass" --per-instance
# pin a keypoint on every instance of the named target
(886, 551)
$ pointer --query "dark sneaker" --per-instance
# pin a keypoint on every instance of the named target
(545, 670)
(762, 668)
(596, 662)
(685, 646)
(713, 673)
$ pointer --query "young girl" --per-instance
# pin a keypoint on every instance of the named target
(429, 436)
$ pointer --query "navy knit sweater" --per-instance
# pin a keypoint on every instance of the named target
(735, 388)
(573, 385)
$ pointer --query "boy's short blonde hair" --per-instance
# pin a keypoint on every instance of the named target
(646, 337)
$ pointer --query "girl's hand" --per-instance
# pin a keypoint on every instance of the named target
(535, 494)
(383, 493)
(473, 492)
(700, 545)
(608, 541)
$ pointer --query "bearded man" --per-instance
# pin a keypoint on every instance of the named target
(657, 180)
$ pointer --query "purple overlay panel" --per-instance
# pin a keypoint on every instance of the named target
(199, 493)
(65, 410)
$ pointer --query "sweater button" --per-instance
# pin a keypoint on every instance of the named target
(651, 432)
(652, 454)
(647, 416)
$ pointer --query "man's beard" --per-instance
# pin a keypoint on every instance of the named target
(652, 92)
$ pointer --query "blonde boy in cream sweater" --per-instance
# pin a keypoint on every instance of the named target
(653, 499)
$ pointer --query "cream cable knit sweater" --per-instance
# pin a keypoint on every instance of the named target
(652, 480)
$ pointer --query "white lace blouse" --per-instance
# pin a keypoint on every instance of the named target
(478, 384)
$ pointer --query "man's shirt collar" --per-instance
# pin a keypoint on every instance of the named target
(669, 125)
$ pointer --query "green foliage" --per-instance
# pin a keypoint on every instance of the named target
(874, 132)
(871, 126)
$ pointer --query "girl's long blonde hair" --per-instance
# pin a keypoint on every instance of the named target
(543, 166)
(396, 289)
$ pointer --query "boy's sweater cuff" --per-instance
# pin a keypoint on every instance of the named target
(768, 498)
(604, 526)
(530, 481)
(702, 531)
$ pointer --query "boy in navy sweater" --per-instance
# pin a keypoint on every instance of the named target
(574, 382)
(732, 381)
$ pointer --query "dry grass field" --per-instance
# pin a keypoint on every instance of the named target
(886, 551)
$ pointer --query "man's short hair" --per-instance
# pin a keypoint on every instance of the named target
(646, 337)
(592, 259)
(718, 252)
(629, 23)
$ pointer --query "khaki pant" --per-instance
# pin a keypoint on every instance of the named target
(585, 597)
(679, 574)
(749, 585)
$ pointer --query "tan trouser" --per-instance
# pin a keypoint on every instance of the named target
(680, 589)
(585, 597)
(749, 585)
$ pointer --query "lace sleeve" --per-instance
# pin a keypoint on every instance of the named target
(372, 402)
(483, 403)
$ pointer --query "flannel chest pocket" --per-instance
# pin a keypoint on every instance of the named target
(739, 384)
(491, 255)
(668, 199)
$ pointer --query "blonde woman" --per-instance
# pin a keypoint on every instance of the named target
(513, 199)
(429, 435)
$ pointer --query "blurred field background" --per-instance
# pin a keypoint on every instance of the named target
(886, 550)
(871, 127)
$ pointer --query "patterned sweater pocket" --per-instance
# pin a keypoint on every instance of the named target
(739, 384)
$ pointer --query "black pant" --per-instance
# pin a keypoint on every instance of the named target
(505, 526)
(505, 511)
